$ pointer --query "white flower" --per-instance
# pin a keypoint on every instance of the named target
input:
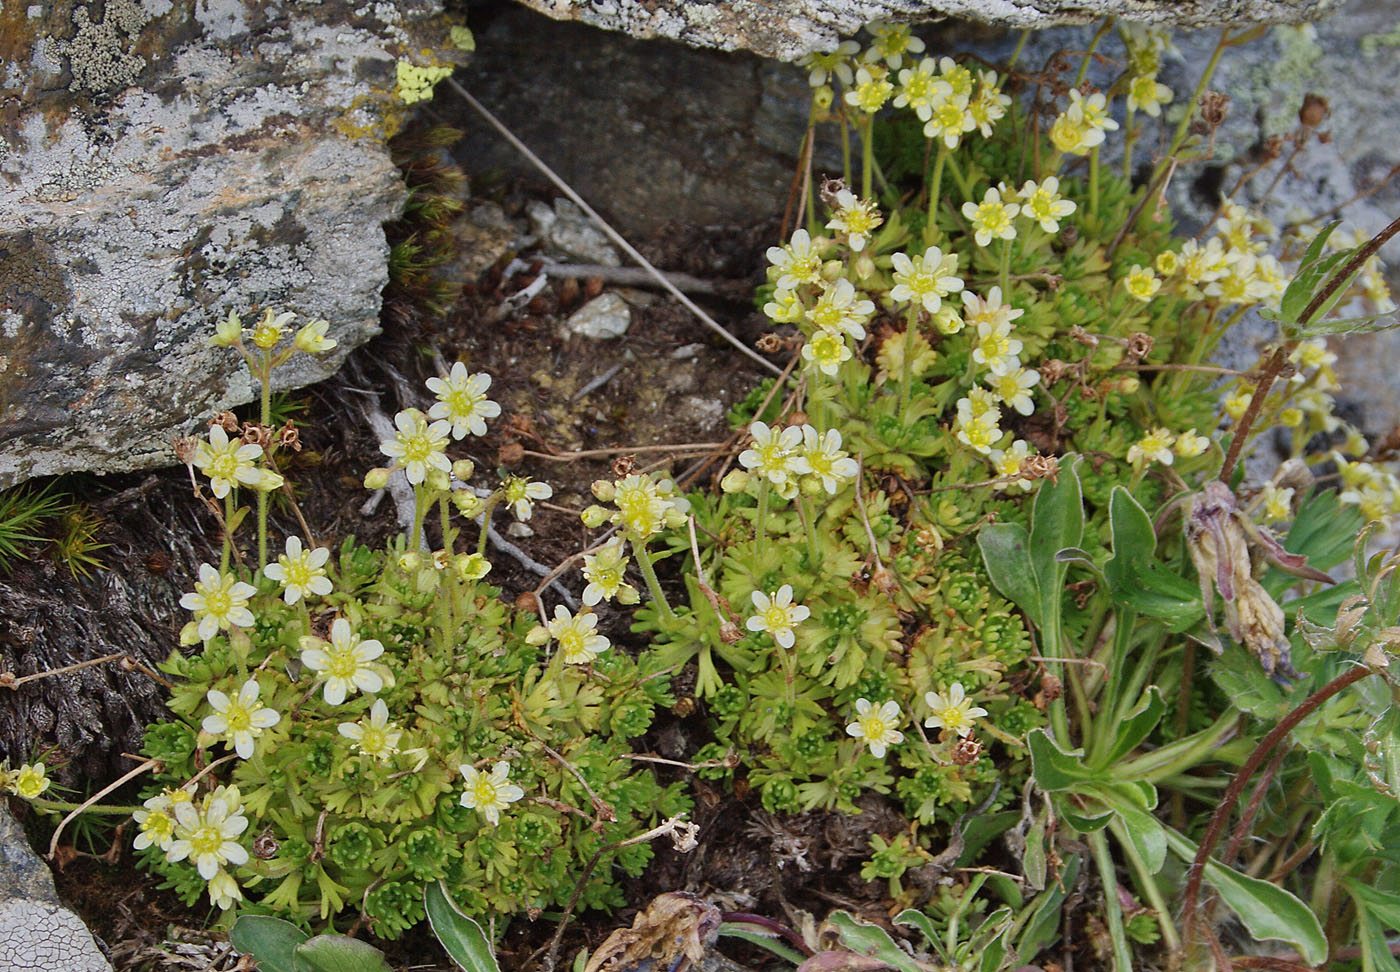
(920, 89)
(1041, 203)
(774, 453)
(842, 309)
(950, 120)
(300, 572)
(31, 781)
(1007, 462)
(992, 218)
(208, 836)
(489, 793)
(777, 615)
(579, 642)
(822, 66)
(417, 446)
(1147, 94)
(825, 458)
(1189, 444)
(876, 727)
(995, 347)
(826, 351)
(226, 463)
(798, 263)
(375, 736)
(926, 279)
(520, 494)
(461, 400)
(312, 338)
(219, 601)
(857, 218)
(157, 819)
(953, 712)
(238, 719)
(1012, 386)
(1156, 446)
(606, 573)
(344, 662)
(223, 891)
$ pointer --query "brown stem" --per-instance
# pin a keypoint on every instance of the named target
(1281, 353)
(1236, 788)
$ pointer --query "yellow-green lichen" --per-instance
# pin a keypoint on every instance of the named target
(415, 82)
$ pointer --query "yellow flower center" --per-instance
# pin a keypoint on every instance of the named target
(206, 840)
(374, 741)
(239, 718)
(776, 617)
(873, 727)
(860, 220)
(217, 602)
(992, 217)
(417, 447)
(342, 662)
(296, 572)
(484, 791)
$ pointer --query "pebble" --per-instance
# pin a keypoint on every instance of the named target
(603, 318)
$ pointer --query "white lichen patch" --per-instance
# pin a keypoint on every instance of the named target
(100, 55)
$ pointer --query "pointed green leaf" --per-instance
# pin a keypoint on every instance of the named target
(913, 918)
(1268, 911)
(1057, 522)
(1043, 925)
(271, 941)
(1006, 553)
(1365, 324)
(1385, 905)
(873, 941)
(1053, 768)
(1141, 829)
(459, 934)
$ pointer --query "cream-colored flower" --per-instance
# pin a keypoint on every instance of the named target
(345, 662)
(489, 793)
(300, 571)
(31, 781)
(777, 615)
(1276, 503)
(1007, 462)
(856, 218)
(1147, 94)
(239, 720)
(219, 602)
(1155, 446)
(957, 77)
(925, 279)
(461, 400)
(270, 330)
(775, 453)
(822, 66)
(224, 892)
(577, 634)
(374, 736)
(876, 727)
(1189, 444)
(1141, 283)
(892, 42)
(827, 462)
(953, 712)
(989, 107)
(870, 93)
(992, 218)
(226, 463)
(312, 338)
(1012, 386)
(1042, 203)
(920, 89)
(417, 446)
(208, 835)
(949, 120)
(826, 351)
(521, 494)
(798, 262)
(606, 573)
(156, 819)
(841, 308)
(995, 346)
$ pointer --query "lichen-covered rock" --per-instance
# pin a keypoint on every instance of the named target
(37, 933)
(789, 29)
(163, 163)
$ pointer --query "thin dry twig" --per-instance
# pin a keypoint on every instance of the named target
(95, 798)
(612, 234)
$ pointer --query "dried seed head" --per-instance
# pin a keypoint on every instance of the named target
(255, 434)
(1214, 107)
(1139, 345)
(227, 420)
(184, 446)
(265, 846)
(966, 751)
(829, 189)
(1041, 467)
(1314, 110)
(769, 343)
(624, 466)
(1077, 333)
(288, 438)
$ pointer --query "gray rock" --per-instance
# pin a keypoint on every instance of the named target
(165, 165)
(792, 28)
(37, 932)
(604, 317)
(568, 230)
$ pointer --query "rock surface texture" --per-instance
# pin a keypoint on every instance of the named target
(791, 28)
(37, 932)
(163, 163)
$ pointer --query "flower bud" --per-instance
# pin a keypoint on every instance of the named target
(468, 503)
(437, 479)
(377, 478)
(627, 594)
(471, 567)
(189, 635)
(734, 481)
(463, 469)
(312, 338)
(411, 560)
(268, 481)
(538, 635)
(594, 517)
(604, 490)
(227, 331)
